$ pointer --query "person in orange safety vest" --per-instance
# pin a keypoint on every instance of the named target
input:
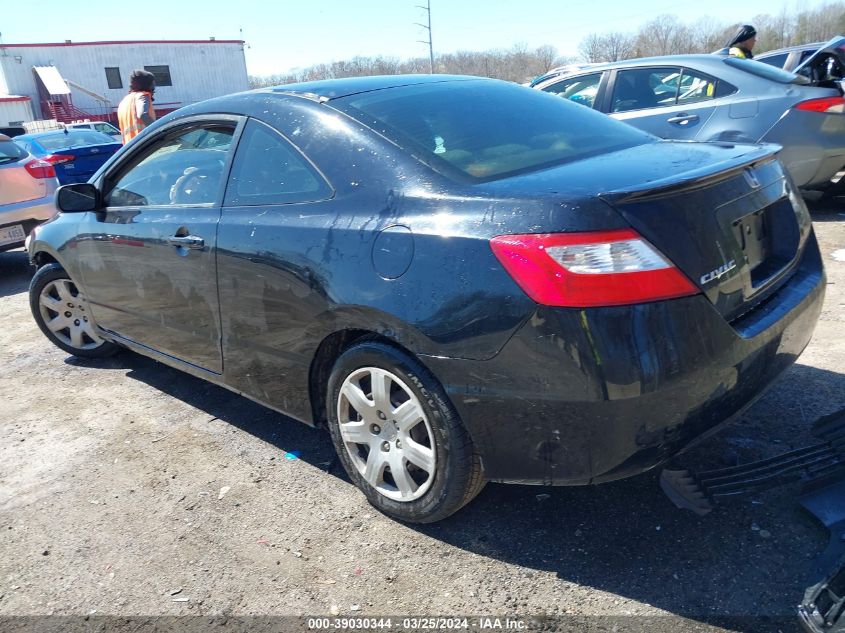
(135, 111)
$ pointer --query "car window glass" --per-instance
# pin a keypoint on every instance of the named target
(10, 152)
(267, 169)
(105, 128)
(641, 88)
(75, 138)
(806, 54)
(182, 168)
(581, 89)
(695, 86)
(774, 60)
(487, 130)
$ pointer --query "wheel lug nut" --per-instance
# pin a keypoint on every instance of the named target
(398, 443)
(381, 415)
(76, 322)
(69, 305)
(68, 314)
(375, 429)
(385, 446)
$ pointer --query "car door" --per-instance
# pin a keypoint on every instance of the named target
(669, 102)
(278, 204)
(149, 257)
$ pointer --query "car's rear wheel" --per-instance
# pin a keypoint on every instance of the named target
(398, 436)
(62, 313)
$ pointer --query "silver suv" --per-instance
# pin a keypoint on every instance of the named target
(27, 185)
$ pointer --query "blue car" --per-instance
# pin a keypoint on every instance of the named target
(75, 155)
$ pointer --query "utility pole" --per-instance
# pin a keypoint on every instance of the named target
(427, 9)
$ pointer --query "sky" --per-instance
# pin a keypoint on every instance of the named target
(289, 34)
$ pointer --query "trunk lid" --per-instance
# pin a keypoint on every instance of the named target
(736, 232)
(86, 161)
(724, 214)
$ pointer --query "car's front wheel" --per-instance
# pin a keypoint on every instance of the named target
(62, 313)
(397, 435)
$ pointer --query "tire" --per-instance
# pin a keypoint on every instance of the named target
(406, 448)
(62, 313)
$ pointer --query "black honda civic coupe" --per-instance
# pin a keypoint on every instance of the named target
(463, 279)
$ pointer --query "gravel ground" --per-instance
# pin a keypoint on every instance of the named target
(127, 487)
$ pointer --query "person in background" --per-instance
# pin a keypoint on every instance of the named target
(742, 42)
(135, 111)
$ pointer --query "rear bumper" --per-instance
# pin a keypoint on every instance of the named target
(28, 214)
(585, 396)
(813, 145)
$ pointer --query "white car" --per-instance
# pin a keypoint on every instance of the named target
(99, 126)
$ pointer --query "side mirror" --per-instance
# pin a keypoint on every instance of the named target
(78, 197)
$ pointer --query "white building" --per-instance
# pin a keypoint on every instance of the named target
(75, 80)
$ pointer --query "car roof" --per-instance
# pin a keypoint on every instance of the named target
(326, 89)
(34, 136)
(787, 49)
(663, 60)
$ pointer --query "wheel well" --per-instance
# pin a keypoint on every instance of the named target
(321, 367)
(42, 259)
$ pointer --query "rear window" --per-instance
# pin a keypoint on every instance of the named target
(486, 130)
(72, 139)
(10, 152)
(763, 70)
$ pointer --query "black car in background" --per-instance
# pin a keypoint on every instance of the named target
(463, 279)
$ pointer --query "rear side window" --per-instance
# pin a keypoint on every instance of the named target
(774, 60)
(268, 170)
(484, 130)
(761, 70)
(581, 89)
(10, 152)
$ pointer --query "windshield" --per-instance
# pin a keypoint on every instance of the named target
(72, 139)
(485, 129)
(764, 70)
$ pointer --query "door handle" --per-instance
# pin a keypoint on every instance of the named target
(187, 241)
(683, 119)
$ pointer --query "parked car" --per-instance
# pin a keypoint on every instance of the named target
(98, 126)
(27, 186)
(713, 98)
(463, 278)
(75, 154)
(789, 58)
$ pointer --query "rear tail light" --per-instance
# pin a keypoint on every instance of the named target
(58, 159)
(582, 270)
(38, 168)
(825, 104)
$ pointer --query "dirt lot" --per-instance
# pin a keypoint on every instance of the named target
(129, 488)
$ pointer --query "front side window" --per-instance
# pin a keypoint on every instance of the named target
(162, 74)
(105, 128)
(641, 88)
(184, 167)
(581, 89)
(113, 77)
(267, 169)
(484, 130)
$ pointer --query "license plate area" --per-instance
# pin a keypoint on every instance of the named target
(12, 234)
(768, 239)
